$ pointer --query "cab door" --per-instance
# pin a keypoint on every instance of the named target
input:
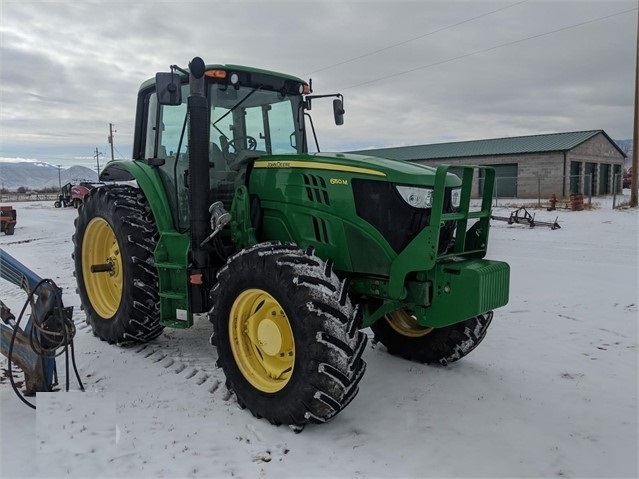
(167, 143)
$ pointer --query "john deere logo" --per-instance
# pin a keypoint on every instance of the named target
(278, 164)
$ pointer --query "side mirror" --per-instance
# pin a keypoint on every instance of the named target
(168, 88)
(338, 111)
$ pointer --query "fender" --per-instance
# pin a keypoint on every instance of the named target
(149, 181)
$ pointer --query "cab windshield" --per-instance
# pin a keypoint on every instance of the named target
(247, 122)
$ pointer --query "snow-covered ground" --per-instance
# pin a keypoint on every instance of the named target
(552, 390)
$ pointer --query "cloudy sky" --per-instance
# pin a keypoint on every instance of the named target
(411, 72)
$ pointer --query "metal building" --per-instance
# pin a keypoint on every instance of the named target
(530, 166)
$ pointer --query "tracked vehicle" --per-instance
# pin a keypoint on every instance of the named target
(291, 253)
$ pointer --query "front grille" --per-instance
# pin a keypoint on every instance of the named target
(380, 204)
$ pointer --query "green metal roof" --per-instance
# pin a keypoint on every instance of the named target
(554, 142)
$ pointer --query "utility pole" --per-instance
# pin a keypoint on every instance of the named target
(111, 131)
(59, 178)
(635, 134)
(97, 160)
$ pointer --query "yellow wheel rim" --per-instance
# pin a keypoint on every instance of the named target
(406, 324)
(261, 340)
(100, 250)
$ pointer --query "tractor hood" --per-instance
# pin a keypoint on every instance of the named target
(395, 171)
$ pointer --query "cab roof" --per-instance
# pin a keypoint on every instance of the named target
(232, 68)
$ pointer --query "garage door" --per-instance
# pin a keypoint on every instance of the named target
(604, 179)
(505, 180)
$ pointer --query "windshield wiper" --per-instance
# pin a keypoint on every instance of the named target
(237, 105)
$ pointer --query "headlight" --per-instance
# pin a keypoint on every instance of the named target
(455, 197)
(415, 196)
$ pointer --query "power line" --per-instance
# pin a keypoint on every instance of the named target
(121, 155)
(415, 38)
(514, 42)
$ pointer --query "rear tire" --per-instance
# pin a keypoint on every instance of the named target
(115, 231)
(402, 336)
(9, 229)
(57, 204)
(286, 335)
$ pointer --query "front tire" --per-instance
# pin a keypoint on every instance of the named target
(402, 336)
(114, 240)
(286, 335)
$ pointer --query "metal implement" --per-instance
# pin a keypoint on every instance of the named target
(8, 218)
(48, 332)
(73, 194)
(522, 216)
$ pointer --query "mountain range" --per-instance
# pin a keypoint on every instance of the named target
(39, 175)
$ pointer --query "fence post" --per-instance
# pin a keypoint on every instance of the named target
(538, 191)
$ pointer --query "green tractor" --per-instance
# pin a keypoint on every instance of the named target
(289, 253)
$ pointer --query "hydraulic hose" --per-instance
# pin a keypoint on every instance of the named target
(45, 342)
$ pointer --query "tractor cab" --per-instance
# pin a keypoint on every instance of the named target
(250, 113)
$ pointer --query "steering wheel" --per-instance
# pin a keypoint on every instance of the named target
(251, 144)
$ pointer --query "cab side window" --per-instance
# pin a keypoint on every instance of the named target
(171, 131)
(151, 124)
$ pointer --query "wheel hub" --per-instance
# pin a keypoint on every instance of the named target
(406, 324)
(269, 337)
